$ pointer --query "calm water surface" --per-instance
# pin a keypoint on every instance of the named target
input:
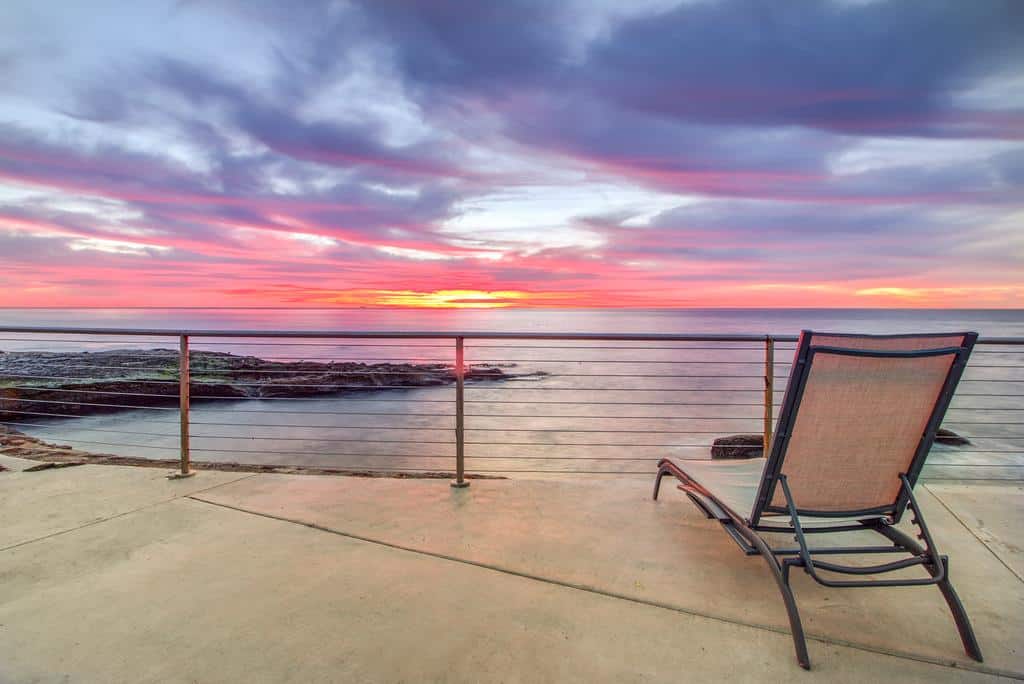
(601, 407)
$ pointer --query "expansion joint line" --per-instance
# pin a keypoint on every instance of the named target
(972, 532)
(122, 514)
(616, 595)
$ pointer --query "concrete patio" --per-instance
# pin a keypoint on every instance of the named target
(118, 574)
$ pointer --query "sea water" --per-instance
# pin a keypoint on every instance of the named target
(579, 407)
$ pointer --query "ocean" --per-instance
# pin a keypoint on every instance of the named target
(580, 408)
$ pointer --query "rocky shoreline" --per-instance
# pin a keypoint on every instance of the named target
(47, 384)
(17, 444)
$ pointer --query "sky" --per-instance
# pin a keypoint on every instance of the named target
(580, 153)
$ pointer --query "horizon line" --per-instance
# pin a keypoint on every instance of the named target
(499, 308)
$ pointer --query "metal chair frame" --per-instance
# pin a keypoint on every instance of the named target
(747, 531)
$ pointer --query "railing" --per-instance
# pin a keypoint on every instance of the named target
(571, 403)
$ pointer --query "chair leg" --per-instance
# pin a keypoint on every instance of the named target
(963, 624)
(795, 626)
(781, 579)
(662, 471)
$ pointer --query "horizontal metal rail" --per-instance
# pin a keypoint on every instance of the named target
(589, 400)
(404, 334)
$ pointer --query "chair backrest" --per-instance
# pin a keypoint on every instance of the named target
(859, 411)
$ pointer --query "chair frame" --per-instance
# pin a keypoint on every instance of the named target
(746, 532)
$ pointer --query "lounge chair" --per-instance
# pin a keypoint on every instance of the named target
(858, 418)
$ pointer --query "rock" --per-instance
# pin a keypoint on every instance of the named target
(751, 446)
(35, 384)
(48, 465)
(950, 438)
(737, 446)
(51, 457)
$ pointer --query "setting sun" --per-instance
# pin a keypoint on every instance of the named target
(456, 299)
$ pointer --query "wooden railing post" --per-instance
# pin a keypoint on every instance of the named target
(769, 391)
(183, 403)
(460, 440)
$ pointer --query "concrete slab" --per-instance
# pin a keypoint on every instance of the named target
(184, 591)
(994, 513)
(37, 504)
(609, 536)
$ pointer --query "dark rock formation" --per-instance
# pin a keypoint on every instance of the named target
(752, 446)
(950, 438)
(737, 446)
(37, 385)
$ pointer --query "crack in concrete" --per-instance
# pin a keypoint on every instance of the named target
(119, 515)
(624, 597)
(973, 533)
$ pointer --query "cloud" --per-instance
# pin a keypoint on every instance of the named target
(882, 68)
(585, 153)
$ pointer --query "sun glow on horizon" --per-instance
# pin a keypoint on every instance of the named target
(431, 299)
(454, 299)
